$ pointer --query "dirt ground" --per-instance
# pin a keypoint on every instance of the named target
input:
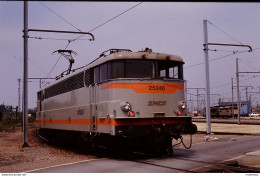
(14, 158)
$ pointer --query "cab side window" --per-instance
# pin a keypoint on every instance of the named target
(103, 72)
(96, 75)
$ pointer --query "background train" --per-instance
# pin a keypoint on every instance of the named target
(122, 98)
(222, 111)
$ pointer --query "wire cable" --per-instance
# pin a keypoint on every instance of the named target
(44, 38)
(55, 63)
(227, 83)
(223, 51)
(102, 24)
(60, 16)
(225, 33)
(43, 71)
(238, 52)
(187, 147)
(209, 60)
(181, 142)
(115, 17)
(56, 39)
(249, 65)
(239, 81)
(72, 40)
(89, 31)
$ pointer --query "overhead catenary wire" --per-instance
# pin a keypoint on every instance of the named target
(233, 53)
(239, 81)
(229, 84)
(102, 24)
(248, 64)
(69, 41)
(55, 64)
(48, 75)
(48, 38)
(221, 58)
(118, 16)
(193, 94)
(115, 17)
(209, 60)
(225, 33)
(37, 66)
(223, 51)
(60, 16)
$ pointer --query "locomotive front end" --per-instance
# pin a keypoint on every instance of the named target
(137, 97)
(146, 99)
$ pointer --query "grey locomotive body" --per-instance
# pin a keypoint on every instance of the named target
(138, 96)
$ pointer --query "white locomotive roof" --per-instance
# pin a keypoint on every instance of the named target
(149, 55)
(137, 55)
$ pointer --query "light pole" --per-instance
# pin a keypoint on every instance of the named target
(19, 94)
(207, 69)
(25, 76)
(206, 54)
(238, 94)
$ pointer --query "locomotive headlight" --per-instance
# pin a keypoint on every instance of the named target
(182, 105)
(125, 106)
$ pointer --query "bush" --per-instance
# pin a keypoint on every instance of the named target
(31, 119)
(9, 121)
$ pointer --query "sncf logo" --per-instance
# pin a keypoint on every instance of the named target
(156, 103)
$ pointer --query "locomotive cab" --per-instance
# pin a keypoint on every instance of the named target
(141, 96)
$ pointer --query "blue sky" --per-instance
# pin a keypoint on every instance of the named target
(167, 27)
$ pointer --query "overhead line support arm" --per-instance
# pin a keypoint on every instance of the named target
(71, 32)
(222, 44)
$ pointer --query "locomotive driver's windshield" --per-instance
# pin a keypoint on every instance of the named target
(133, 68)
(146, 69)
(139, 69)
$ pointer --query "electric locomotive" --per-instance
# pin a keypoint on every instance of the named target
(134, 97)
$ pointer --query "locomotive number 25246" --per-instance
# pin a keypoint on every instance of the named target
(156, 87)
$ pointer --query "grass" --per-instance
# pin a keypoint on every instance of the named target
(11, 123)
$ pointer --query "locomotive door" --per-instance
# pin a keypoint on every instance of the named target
(40, 97)
(93, 107)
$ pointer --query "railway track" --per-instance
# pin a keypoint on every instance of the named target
(225, 167)
(149, 159)
(206, 167)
